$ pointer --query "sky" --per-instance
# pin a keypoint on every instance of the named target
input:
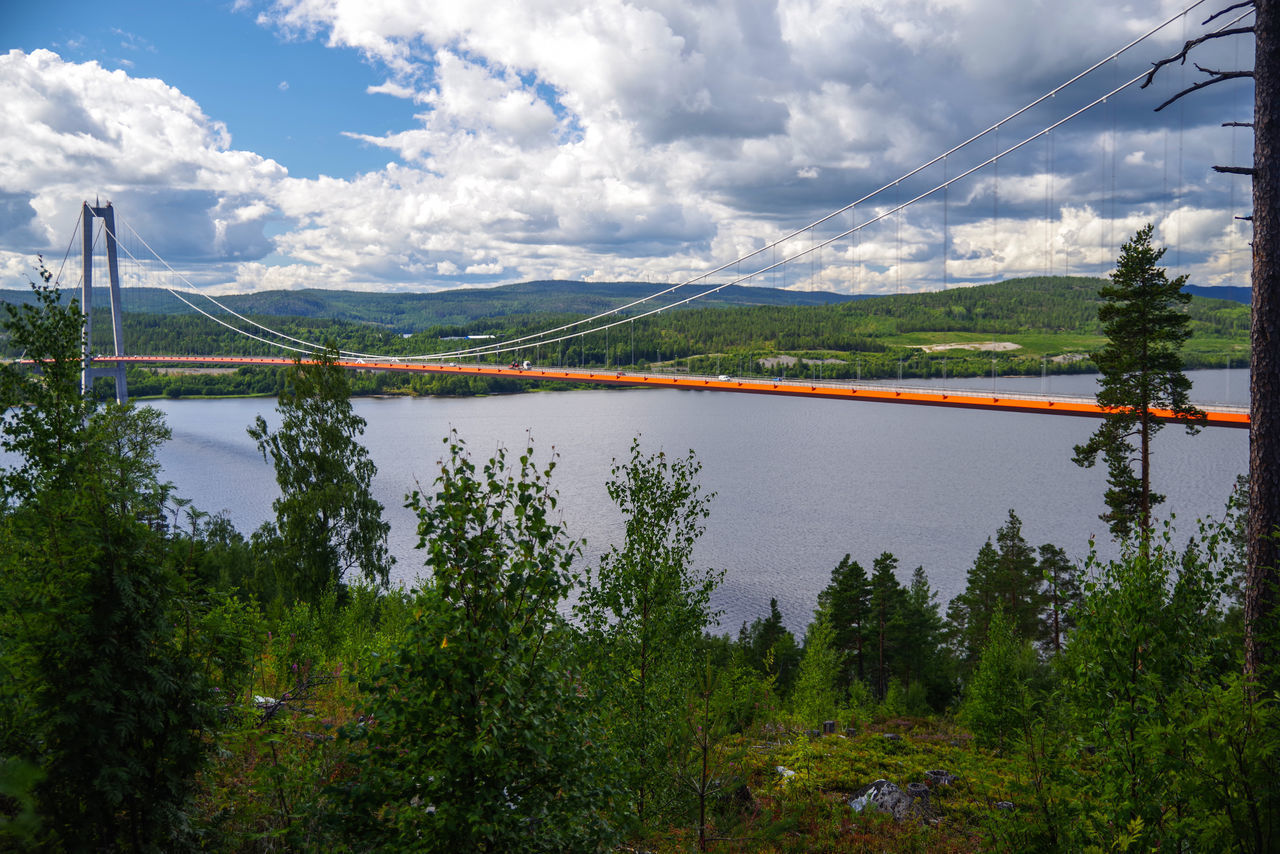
(423, 145)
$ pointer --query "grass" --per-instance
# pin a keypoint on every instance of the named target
(810, 812)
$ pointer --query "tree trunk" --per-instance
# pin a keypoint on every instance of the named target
(881, 682)
(1144, 522)
(1264, 434)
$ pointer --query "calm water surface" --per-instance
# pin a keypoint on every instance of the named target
(799, 483)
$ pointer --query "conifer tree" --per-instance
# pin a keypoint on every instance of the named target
(1141, 364)
(1018, 580)
(921, 630)
(771, 647)
(847, 601)
(970, 612)
(1062, 592)
(1007, 575)
(886, 602)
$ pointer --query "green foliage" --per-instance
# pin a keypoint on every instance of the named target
(51, 426)
(886, 603)
(645, 611)
(887, 634)
(1147, 652)
(275, 748)
(847, 601)
(752, 695)
(19, 821)
(327, 521)
(815, 697)
(1005, 575)
(997, 698)
(479, 731)
(702, 759)
(1061, 594)
(771, 648)
(922, 665)
(1146, 326)
(98, 687)
(1233, 760)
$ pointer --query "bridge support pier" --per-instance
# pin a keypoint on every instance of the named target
(88, 372)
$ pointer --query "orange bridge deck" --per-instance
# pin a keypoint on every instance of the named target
(1221, 416)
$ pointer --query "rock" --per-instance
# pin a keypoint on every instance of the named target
(938, 779)
(785, 773)
(1004, 805)
(885, 797)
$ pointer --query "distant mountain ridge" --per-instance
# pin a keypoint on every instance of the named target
(1235, 293)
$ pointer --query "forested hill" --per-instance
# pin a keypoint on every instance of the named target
(413, 312)
(1036, 305)
(1235, 293)
(1041, 315)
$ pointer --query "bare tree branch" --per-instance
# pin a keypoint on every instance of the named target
(1237, 124)
(1214, 72)
(1234, 170)
(1226, 10)
(1226, 75)
(1181, 56)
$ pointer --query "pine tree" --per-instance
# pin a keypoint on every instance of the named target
(772, 648)
(921, 633)
(1007, 575)
(887, 597)
(1141, 367)
(1062, 592)
(847, 599)
(1018, 580)
(970, 612)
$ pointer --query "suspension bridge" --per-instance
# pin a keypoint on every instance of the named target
(867, 245)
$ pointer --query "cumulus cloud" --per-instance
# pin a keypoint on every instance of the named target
(604, 139)
(77, 132)
(391, 88)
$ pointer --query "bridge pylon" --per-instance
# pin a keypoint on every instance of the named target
(88, 372)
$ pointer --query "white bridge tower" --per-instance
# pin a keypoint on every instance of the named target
(107, 213)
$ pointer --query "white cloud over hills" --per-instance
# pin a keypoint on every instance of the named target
(604, 140)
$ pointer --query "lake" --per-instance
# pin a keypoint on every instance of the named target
(799, 483)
